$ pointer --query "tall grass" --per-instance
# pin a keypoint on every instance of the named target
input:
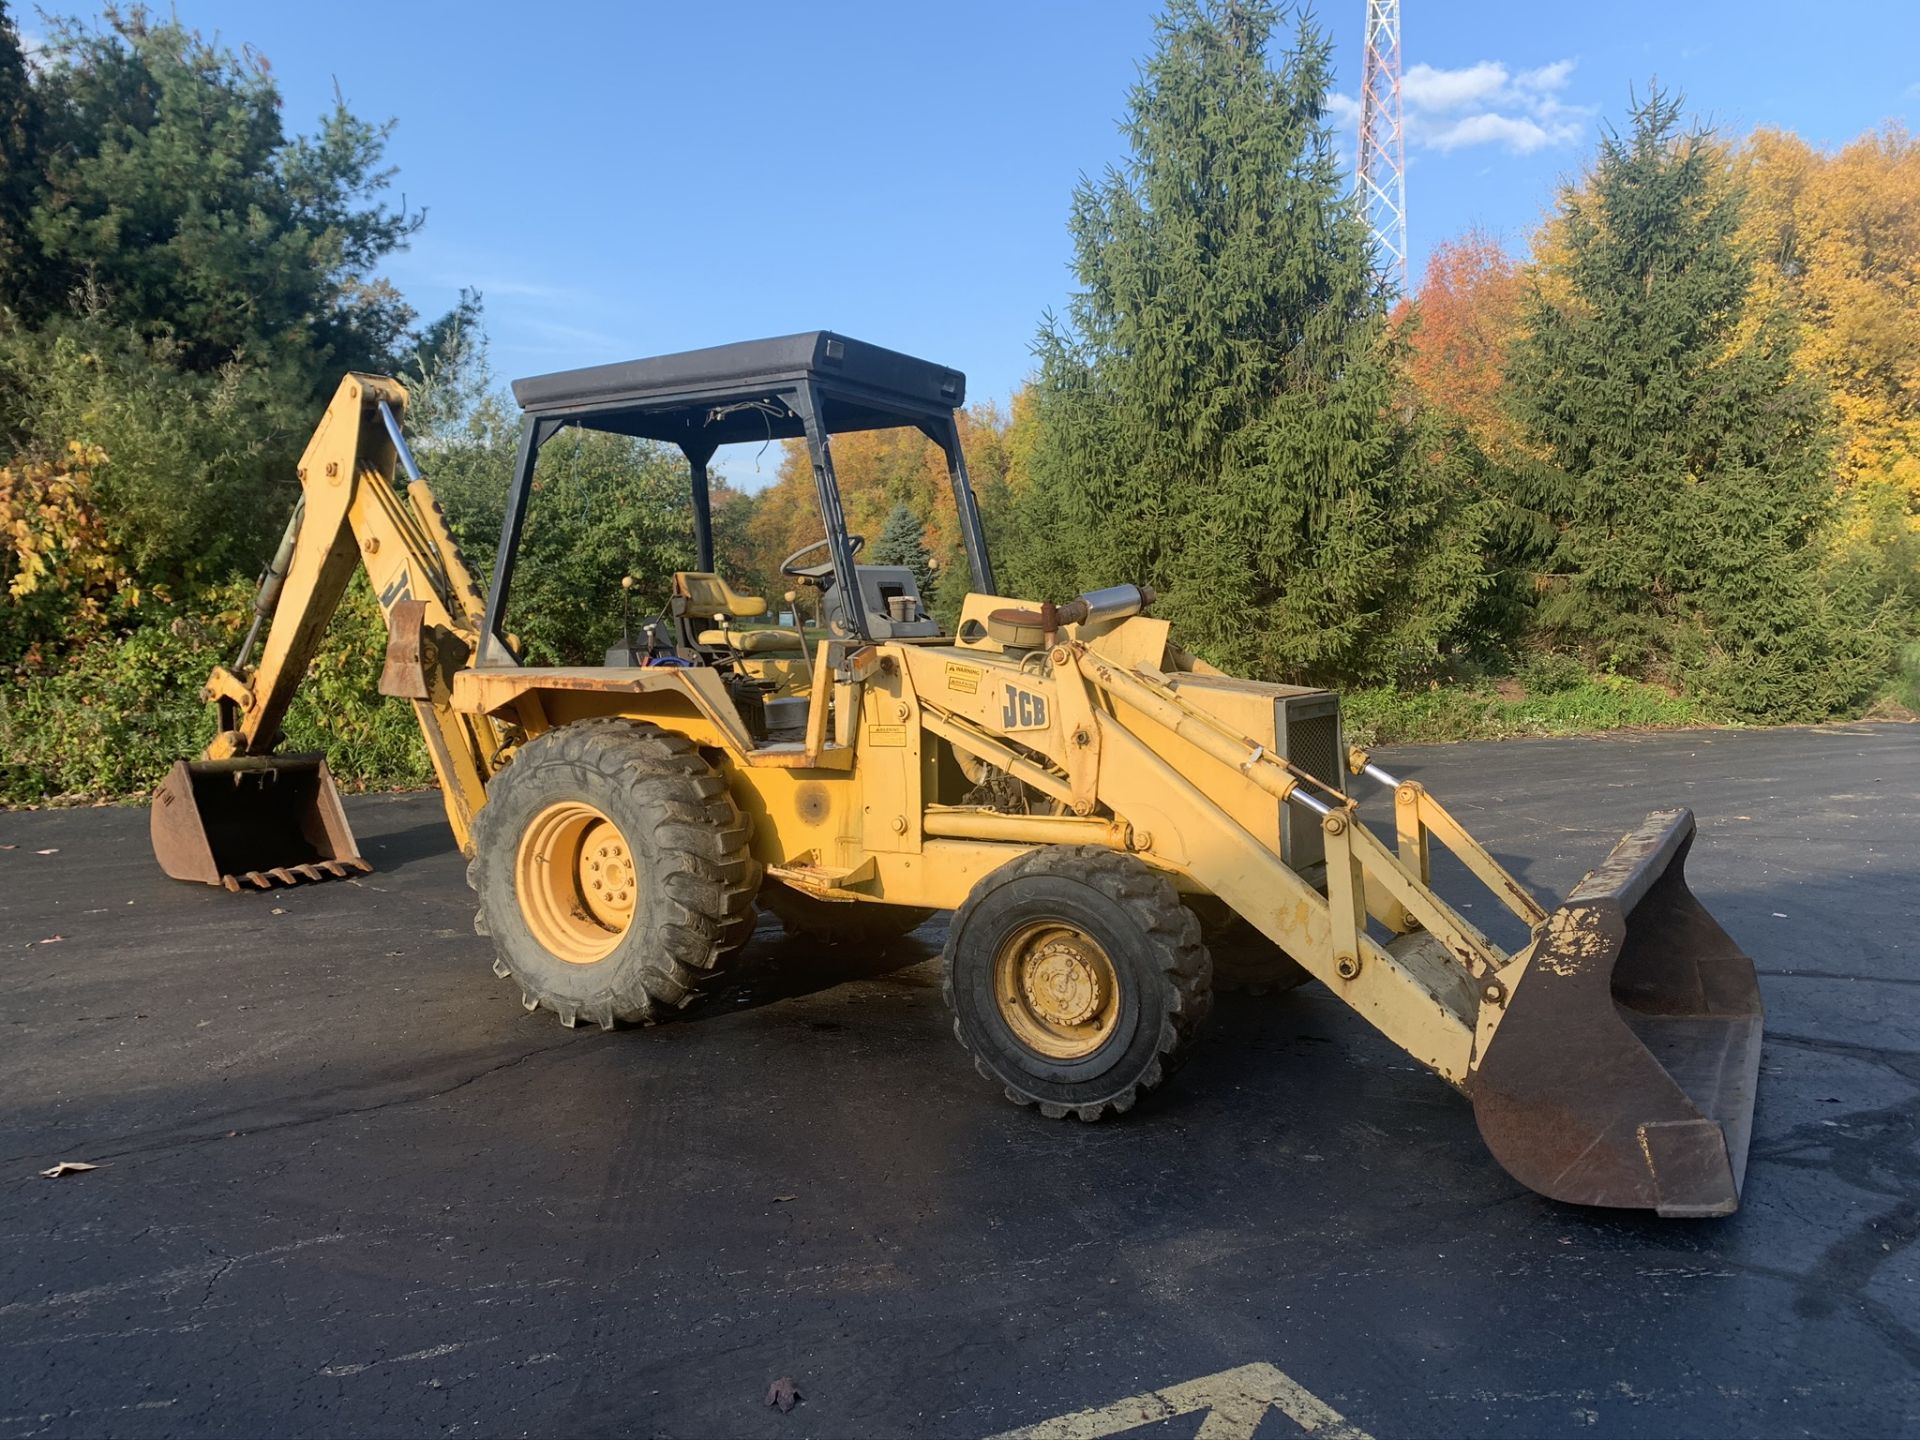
(1384, 715)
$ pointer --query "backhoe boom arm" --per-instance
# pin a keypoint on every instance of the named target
(351, 514)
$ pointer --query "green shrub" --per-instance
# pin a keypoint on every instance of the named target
(1551, 673)
(108, 719)
(1383, 715)
(371, 741)
(1904, 689)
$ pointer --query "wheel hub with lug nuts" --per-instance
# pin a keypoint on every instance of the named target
(1057, 989)
(1063, 983)
(575, 878)
(606, 875)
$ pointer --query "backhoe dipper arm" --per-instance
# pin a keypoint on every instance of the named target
(352, 514)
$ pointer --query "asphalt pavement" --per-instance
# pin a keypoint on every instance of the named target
(347, 1187)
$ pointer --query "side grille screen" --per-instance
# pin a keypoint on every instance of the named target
(1310, 730)
(1313, 744)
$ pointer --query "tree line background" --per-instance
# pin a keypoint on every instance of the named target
(1661, 468)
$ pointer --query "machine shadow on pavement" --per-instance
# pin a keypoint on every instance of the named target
(775, 967)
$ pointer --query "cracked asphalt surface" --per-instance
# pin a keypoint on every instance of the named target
(348, 1187)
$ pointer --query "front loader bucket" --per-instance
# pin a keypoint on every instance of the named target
(1623, 1070)
(265, 820)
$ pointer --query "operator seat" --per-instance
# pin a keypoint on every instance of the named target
(702, 595)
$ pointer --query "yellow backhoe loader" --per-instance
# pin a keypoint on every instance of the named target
(1097, 806)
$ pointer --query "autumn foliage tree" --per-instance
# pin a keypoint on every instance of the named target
(1837, 235)
(1464, 320)
(1838, 238)
(879, 472)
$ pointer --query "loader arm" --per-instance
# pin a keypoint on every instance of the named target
(1612, 1060)
(352, 514)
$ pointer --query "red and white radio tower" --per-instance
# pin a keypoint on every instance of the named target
(1383, 139)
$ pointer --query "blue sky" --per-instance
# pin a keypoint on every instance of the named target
(628, 179)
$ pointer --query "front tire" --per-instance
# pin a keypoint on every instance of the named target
(1077, 980)
(613, 872)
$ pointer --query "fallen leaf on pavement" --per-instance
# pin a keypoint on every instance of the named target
(782, 1199)
(782, 1393)
(75, 1167)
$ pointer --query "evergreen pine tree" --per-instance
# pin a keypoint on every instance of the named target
(903, 542)
(1682, 462)
(20, 172)
(1217, 413)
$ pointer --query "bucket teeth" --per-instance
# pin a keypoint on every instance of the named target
(296, 874)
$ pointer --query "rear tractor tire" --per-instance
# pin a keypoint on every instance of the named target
(1077, 979)
(613, 873)
(855, 922)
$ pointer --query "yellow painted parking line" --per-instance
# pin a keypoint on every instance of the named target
(1236, 1401)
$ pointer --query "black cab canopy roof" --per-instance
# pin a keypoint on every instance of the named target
(700, 399)
(811, 385)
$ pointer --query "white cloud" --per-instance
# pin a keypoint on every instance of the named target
(1485, 103)
(1545, 78)
(1426, 88)
(1518, 134)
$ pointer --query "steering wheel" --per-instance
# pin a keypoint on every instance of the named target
(795, 571)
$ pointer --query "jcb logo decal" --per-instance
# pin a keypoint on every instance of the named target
(1024, 710)
(398, 589)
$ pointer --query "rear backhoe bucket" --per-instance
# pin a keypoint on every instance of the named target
(1624, 1068)
(262, 821)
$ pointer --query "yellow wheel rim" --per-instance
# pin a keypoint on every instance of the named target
(1057, 990)
(576, 881)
